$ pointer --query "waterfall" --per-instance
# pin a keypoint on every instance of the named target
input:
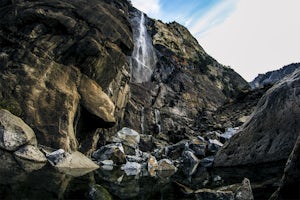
(143, 59)
(157, 119)
(142, 120)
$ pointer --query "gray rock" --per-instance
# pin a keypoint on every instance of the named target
(14, 132)
(132, 168)
(114, 152)
(129, 137)
(190, 162)
(271, 132)
(228, 134)
(214, 146)
(207, 162)
(57, 156)
(198, 146)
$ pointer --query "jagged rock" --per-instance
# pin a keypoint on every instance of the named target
(228, 134)
(198, 146)
(129, 137)
(114, 152)
(214, 146)
(175, 151)
(56, 156)
(14, 132)
(30, 153)
(146, 143)
(273, 76)
(207, 162)
(271, 132)
(190, 162)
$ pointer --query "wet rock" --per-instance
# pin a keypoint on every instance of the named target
(228, 134)
(271, 132)
(146, 143)
(152, 165)
(214, 146)
(190, 162)
(175, 151)
(207, 162)
(166, 165)
(14, 132)
(30, 153)
(114, 152)
(241, 191)
(198, 146)
(97, 192)
(132, 168)
(57, 156)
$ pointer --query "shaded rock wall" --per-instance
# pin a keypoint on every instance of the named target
(271, 131)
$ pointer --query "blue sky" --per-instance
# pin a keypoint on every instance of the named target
(251, 36)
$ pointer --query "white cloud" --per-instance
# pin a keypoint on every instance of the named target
(213, 17)
(260, 35)
(151, 8)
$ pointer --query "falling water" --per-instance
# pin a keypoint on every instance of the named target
(143, 59)
(157, 119)
(142, 120)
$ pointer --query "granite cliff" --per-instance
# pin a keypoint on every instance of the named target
(66, 70)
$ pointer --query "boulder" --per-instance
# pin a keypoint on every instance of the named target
(114, 152)
(129, 137)
(271, 132)
(96, 102)
(214, 146)
(14, 132)
(166, 165)
(207, 162)
(228, 134)
(198, 146)
(190, 162)
(152, 165)
(132, 168)
(57, 156)
(31, 153)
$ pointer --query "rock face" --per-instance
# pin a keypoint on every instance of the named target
(54, 56)
(185, 81)
(290, 183)
(273, 76)
(271, 132)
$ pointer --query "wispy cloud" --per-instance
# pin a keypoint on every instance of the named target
(152, 7)
(214, 16)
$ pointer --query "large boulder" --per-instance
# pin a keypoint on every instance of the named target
(271, 132)
(14, 132)
(114, 152)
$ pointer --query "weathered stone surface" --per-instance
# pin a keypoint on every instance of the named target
(95, 101)
(30, 153)
(290, 182)
(271, 132)
(46, 47)
(272, 77)
(132, 168)
(190, 162)
(97, 192)
(114, 152)
(166, 165)
(129, 137)
(14, 132)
